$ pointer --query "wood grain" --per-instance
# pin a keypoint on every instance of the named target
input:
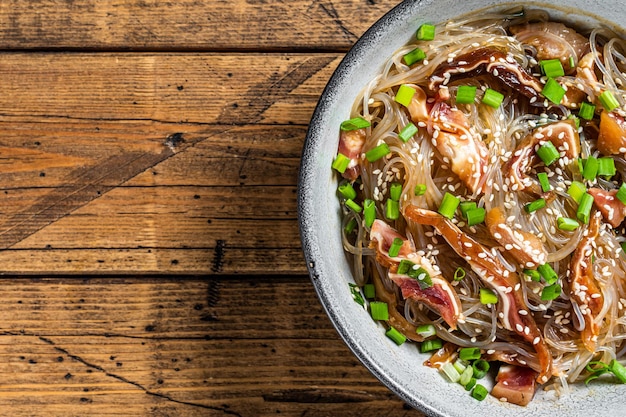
(190, 24)
(219, 346)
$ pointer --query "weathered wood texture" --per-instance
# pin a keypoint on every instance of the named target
(149, 154)
(154, 347)
(191, 24)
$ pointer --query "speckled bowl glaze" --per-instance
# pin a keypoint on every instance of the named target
(400, 368)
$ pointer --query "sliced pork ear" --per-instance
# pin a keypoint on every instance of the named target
(612, 136)
(461, 145)
(351, 144)
(611, 208)
(513, 313)
(552, 40)
(584, 290)
(563, 135)
(441, 296)
(489, 61)
(515, 384)
(525, 247)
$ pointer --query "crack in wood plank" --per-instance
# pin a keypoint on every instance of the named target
(128, 381)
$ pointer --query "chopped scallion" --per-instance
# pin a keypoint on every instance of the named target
(354, 124)
(420, 189)
(493, 98)
(466, 206)
(354, 206)
(535, 205)
(608, 101)
(621, 193)
(572, 63)
(469, 354)
(460, 365)
(466, 376)
(548, 153)
(551, 292)
(422, 276)
(369, 212)
(395, 335)
(350, 226)
(369, 290)
(405, 95)
(548, 273)
(404, 267)
(606, 167)
(544, 181)
(479, 392)
(553, 91)
(426, 330)
(459, 274)
(394, 249)
(552, 68)
(448, 206)
(407, 132)
(590, 170)
(566, 223)
(448, 370)
(618, 370)
(466, 94)
(586, 111)
(577, 189)
(426, 32)
(584, 208)
(481, 367)
(340, 163)
(379, 310)
(347, 190)
(487, 296)
(416, 55)
(356, 294)
(476, 216)
(470, 384)
(533, 274)
(430, 345)
(392, 209)
(378, 152)
(395, 191)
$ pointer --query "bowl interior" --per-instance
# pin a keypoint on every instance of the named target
(400, 368)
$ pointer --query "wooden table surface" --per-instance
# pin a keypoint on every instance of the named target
(149, 156)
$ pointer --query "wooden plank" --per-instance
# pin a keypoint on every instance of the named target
(192, 25)
(178, 347)
(182, 185)
(164, 87)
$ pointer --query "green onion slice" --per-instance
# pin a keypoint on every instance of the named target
(586, 111)
(420, 189)
(551, 292)
(544, 182)
(430, 345)
(426, 32)
(394, 249)
(395, 191)
(552, 68)
(621, 193)
(533, 274)
(493, 98)
(590, 169)
(354, 124)
(354, 206)
(608, 101)
(548, 273)
(395, 335)
(466, 376)
(577, 189)
(356, 294)
(378, 152)
(405, 95)
(466, 206)
(341, 162)
(469, 354)
(379, 310)
(548, 153)
(466, 94)
(566, 223)
(407, 132)
(369, 212)
(479, 392)
(448, 206)
(347, 190)
(487, 296)
(476, 216)
(481, 367)
(606, 167)
(369, 290)
(426, 330)
(416, 55)
(392, 209)
(553, 91)
(459, 274)
(448, 370)
(584, 208)
(535, 205)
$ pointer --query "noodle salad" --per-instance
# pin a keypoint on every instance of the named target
(483, 191)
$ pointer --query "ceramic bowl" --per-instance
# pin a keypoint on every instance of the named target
(400, 368)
